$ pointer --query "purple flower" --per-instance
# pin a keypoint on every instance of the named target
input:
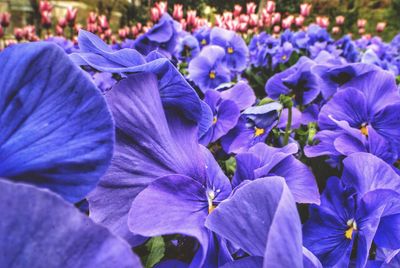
(208, 70)
(262, 161)
(253, 126)
(161, 37)
(261, 218)
(362, 208)
(361, 117)
(236, 51)
(226, 107)
(297, 81)
(187, 48)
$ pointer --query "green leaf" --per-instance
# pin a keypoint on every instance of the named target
(156, 248)
(230, 165)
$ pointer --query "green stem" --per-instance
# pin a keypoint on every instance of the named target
(288, 127)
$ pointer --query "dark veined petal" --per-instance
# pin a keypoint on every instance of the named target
(55, 129)
(149, 144)
(262, 219)
(39, 229)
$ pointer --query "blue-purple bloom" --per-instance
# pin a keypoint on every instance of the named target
(236, 51)
(226, 107)
(209, 69)
(360, 209)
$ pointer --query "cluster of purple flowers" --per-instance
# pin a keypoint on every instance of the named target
(279, 151)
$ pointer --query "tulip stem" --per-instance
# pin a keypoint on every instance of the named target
(288, 126)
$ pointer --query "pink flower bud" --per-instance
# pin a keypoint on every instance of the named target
(178, 12)
(380, 26)
(335, 30)
(62, 22)
(251, 8)
(237, 10)
(270, 7)
(162, 7)
(339, 20)
(276, 18)
(253, 22)
(1, 32)
(5, 19)
(305, 9)
(299, 21)
(277, 29)
(154, 14)
(92, 18)
(361, 23)
(191, 17)
(71, 15)
(46, 19)
(103, 22)
(323, 22)
(18, 34)
(45, 6)
(59, 30)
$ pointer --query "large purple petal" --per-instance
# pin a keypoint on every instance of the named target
(56, 130)
(261, 218)
(149, 144)
(173, 204)
(241, 93)
(39, 229)
(367, 172)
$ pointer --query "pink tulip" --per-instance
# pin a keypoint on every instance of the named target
(191, 17)
(92, 27)
(323, 22)
(253, 22)
(340, 20)
(134, 31)
(71, 15)
(380, 26)
(62, 22)
(335, 30)
(154, 14)
(46, 18)
(270, 7)
(277, 29)
(227, 16)
(103, 22)
(237, 10)
(122, 33)
(178, 12)
(251, 8)
(18, 34)
(92, 18)
(305, 9)
(299, 21)
(5, 19)
(45, 6)
(276, 18)
(162, 7)
(59, 30)
(361, 23)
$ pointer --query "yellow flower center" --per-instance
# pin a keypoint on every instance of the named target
(258, 131)
(230, 50)
(284, 57)
(215, 119)
(212, 75)
(210, 198)
(204, 42)
(364, 129)
(352, 226)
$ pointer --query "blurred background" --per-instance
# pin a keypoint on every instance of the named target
(122, 13)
